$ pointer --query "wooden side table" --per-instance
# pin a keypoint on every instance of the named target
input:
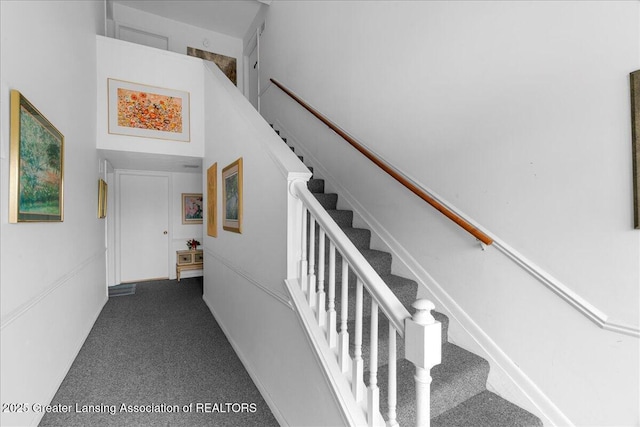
(189, 260)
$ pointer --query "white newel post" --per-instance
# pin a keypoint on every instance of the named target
(423, 348)
(296, 260)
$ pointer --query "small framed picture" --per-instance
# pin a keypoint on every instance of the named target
(232, 197)
(192, 208)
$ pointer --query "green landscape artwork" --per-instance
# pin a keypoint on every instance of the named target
(37, 159)
(232, 197)
(231, 187)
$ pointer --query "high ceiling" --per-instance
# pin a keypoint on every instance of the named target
(230, 17)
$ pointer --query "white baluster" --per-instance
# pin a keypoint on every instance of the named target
(322, 313)
(357, 384)
(331, 313)
(423, 348)
(312, 262)
(373, 393)
(303, 261)
(344, 315)
(392, 395)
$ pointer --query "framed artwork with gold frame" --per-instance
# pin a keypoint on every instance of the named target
(212, 200)
(635, 143)
(102, 198)
(232, 197)
(36, 165)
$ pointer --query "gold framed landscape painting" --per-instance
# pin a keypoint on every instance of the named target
(146, 111)
(232, 197)
(36, 165)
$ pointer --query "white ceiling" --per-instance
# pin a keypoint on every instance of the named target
(152, 162)
(230, 17)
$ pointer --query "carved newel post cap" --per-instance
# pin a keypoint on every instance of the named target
(423, 304)
(423, 311)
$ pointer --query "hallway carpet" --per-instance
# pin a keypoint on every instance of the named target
(158, 350)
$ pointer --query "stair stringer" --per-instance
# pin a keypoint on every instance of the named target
(505, 377)
(353, 412)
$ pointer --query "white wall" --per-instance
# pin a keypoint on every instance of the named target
(53, 274)
(139, 64)
(181, 35)
(518, 114)
(244, 273)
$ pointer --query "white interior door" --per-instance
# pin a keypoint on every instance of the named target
(144, 225)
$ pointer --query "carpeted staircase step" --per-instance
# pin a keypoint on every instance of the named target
(316, 185)
(360, 237)
(460, 376)
(327, 200)
(379, 260)
(404, 289)
(344, 218)
(486, 409)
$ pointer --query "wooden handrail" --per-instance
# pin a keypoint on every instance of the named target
(391, 171)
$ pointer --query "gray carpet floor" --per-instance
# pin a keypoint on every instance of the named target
(158, 350)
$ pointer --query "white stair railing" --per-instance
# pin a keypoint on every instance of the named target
(421, 333)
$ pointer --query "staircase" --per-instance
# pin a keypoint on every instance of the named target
(459, 396)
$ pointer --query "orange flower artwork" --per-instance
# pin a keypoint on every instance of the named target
(145, 110)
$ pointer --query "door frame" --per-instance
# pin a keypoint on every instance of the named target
(253, 44)
(118, 221)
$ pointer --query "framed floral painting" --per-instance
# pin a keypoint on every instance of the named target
(147, 111)
(192, 208)
(36, 165)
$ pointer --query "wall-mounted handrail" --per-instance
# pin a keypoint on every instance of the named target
(565, 293)
(484, 238)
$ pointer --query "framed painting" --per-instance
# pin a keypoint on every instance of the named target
(147, 111)
(36, 165)
(226, 63)
(212, 200)
(232, 197)
(102, 198)
(192, 208)
(635, 144)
